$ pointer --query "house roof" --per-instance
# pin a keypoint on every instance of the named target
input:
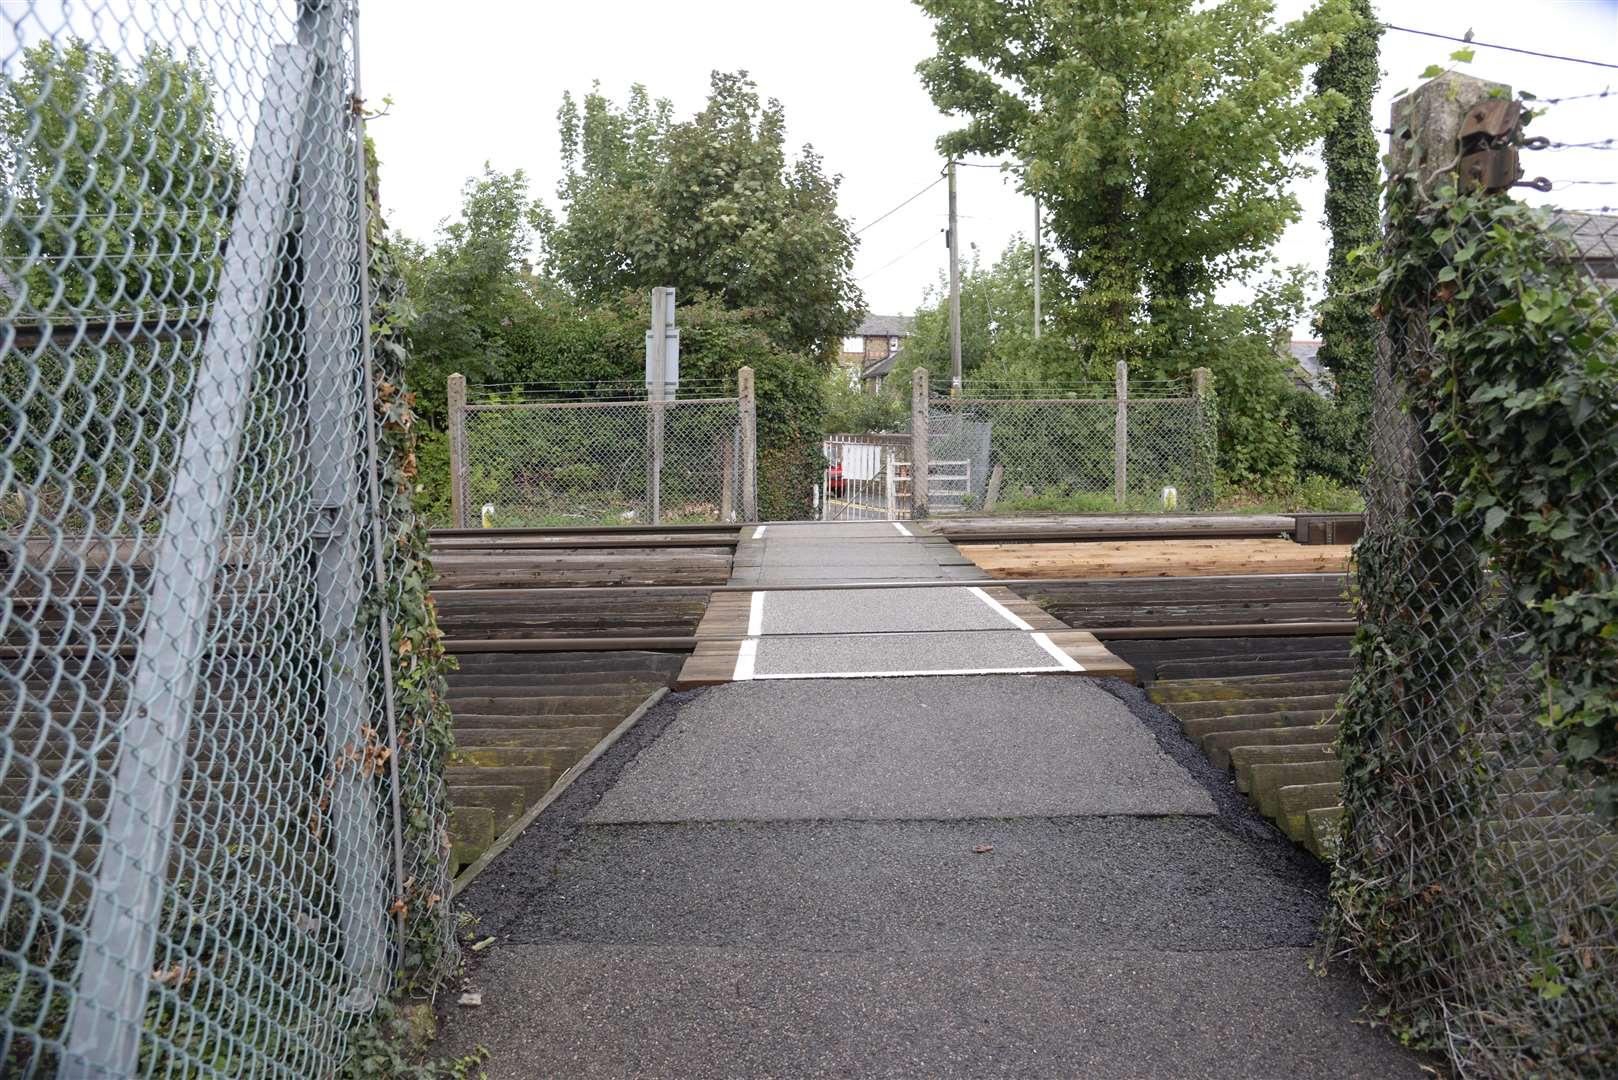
(1306, 355)
(1595, 236)
(886, 326)
(882, 367)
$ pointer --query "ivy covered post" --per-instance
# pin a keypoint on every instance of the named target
(1409, 733)
(1345, 324)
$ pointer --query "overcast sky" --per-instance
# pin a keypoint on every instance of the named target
(481, 81)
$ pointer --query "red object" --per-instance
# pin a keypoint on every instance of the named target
(834, 480)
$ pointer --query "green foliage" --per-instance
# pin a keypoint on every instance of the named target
(1334, 438)
(856, 411)
(997, 335)
(415, 643)
(1161, 135)
(1311, 492)
(465, 294)
(710, 206)
(389, 1046)
(1521, 384)
(559, 340)
(1506, 360)
(120, 180)
(1241, 344)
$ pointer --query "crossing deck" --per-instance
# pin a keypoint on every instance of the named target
(875, 599)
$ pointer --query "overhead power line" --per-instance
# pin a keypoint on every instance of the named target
(901, 206)
(1502, 48)
(930, 238)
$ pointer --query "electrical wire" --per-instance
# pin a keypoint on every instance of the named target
(1503, 48)
(925, 240)
(900, 207)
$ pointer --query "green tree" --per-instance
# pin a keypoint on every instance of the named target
(711, 206)
(1348, 330)
(997, 325)
(473, 289)
(116, 182)
(1160, 133)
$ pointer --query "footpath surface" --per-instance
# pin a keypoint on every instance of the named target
(933, 876)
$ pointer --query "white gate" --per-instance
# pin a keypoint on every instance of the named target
(866, 480)
(860, 482)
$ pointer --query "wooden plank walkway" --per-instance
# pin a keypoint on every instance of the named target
(1157, 558)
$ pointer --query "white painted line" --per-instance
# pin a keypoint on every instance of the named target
(755, 616)
(758, 533)
(746, 657)
(1000, 609)
(908, 674)
(1044, 642)
(902, 530)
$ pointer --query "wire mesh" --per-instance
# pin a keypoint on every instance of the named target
(196, 744)
(1478, 875)
(1045, 451)
(591, 456)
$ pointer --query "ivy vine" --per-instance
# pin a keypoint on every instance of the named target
(420, 664)
(1497, 557)
(1521, 384)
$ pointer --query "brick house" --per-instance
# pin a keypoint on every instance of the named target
(869, 355)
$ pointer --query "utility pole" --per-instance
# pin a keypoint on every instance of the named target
(1038, 237)
(954, 290)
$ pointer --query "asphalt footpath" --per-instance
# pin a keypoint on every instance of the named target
(982, 876)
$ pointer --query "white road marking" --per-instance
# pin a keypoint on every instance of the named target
(755, 616)
(1044, 642)
(1000, 609)
(758, 533)
(906, 674)
(902, 530)
(746, 656)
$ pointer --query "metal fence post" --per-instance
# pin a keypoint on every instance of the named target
(104, 1027)
(920, 461)
(457, 450)
(656, 397)
(747, 407)
(1120, 437)
(329, 244)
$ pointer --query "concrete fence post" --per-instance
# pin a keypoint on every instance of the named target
(747, 408)
(1120, 438)
(457, 450)
(890, 489)
(920, 462)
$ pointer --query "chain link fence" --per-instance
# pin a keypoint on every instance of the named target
(213, 818)
(598, 454)
(1477, 883)
(1074, 450)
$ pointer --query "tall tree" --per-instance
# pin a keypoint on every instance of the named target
(116, 182)
(1160, 133)
(1345, 324)
(473, 287)
(997, 313)
(709, 205)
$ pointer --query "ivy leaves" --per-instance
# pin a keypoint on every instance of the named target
(1521, 385)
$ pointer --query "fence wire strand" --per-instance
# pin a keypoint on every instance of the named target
(194, 766)
(1478, 873)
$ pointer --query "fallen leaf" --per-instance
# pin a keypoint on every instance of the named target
(983, 849)
(484, 944)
